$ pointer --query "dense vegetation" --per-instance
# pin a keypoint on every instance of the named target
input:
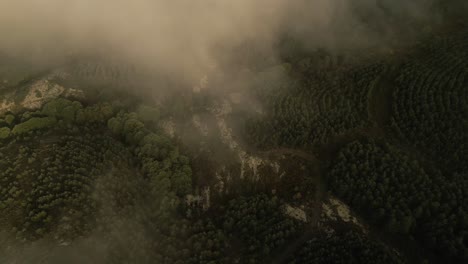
(430, 101)
(253, 229)
(399, 161)
(349, 247)
(384, 133)
(324, 104)
(70, 170)
(395, 192)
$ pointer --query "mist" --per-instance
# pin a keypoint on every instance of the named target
(185, 36)
(186, 39)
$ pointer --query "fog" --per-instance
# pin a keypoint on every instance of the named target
(188, 36)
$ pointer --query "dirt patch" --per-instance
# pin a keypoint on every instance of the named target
(40, 92)
(336, 210)
(295, 212)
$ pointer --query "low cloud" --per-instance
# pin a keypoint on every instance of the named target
(187, 36)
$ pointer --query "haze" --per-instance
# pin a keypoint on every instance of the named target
(182, 36)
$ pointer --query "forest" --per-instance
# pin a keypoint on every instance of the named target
(302, 155)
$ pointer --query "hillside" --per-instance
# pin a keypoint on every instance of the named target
(313, 155)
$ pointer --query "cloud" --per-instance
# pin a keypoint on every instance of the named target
(180, 35)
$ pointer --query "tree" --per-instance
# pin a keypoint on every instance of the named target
(9, 119)
(4, 132)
